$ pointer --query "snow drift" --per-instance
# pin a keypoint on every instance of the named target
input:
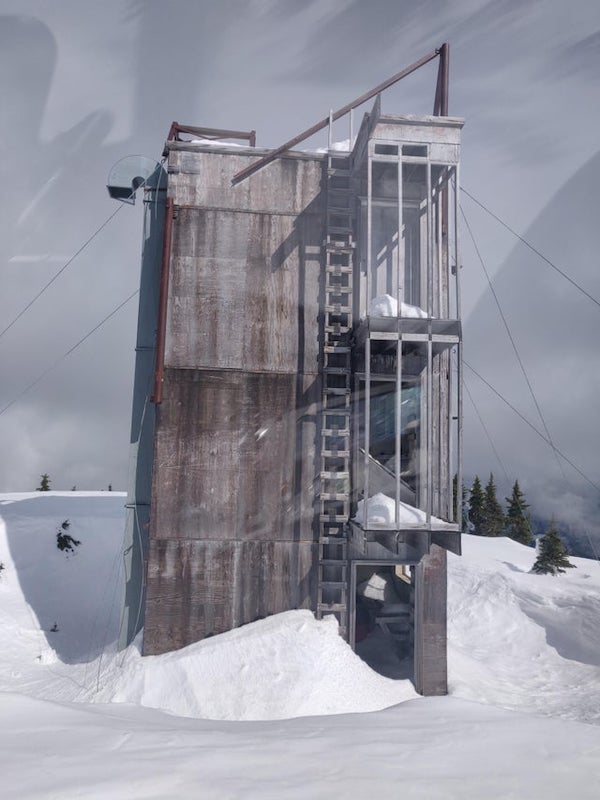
(516, 640)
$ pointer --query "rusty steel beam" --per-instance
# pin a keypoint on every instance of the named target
(440, 105)
(261, 162)
(162, 305)
(209, 133)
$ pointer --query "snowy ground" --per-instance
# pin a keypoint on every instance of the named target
(272, 710)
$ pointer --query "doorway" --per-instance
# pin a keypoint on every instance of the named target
(382, 616)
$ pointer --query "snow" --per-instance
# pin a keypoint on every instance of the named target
(341, 146)
(384, 305)
(276, 709)
(220, 143)
(381, 513)
(524, 641)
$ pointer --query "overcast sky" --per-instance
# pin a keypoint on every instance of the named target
(85, 83)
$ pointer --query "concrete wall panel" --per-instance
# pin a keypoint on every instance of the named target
(244, 291)
(202, 177)
(235, 456)
(196, 589)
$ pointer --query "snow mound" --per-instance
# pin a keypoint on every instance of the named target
(288, 665)
(384, 305)
(342, 146)
(519, 640)
(381, 513)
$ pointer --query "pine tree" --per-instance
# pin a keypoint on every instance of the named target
(518, 523)
(552, 556)
(476, 506)
(493, 516)
(44, 483)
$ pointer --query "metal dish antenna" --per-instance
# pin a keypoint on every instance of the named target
(131, 172)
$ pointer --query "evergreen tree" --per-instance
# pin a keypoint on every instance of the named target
(493, 516)
(476, 506)
(44, 483)
(552, 556)
(518, 523)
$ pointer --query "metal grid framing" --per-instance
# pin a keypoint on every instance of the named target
(436, 298)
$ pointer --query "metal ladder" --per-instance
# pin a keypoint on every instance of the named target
(334, 499)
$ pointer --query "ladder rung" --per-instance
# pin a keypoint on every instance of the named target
(337, 348)
(337, 540)
(332, 496)
(336, 288)
(336, 172)
(341, 432)
(332, 607)
(340, 211)
(338, 308)
(337, 370)
(341, 203)
(337, 391)
(331, 475)
(335, 453)
(341, 229)
(339, 247)
(333, 518)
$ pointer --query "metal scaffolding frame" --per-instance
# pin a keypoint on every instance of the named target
(441, 258)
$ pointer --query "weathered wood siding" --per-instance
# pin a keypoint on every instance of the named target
(233, 522)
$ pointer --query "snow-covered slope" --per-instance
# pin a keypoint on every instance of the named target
(285, 666)
(518, 641)
(524, 641)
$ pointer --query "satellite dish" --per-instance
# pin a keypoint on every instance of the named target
(131, 172)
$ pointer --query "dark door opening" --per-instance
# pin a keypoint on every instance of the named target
(382, 627)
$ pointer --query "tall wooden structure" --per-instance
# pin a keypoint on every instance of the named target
(232, 524)
(307, 388)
